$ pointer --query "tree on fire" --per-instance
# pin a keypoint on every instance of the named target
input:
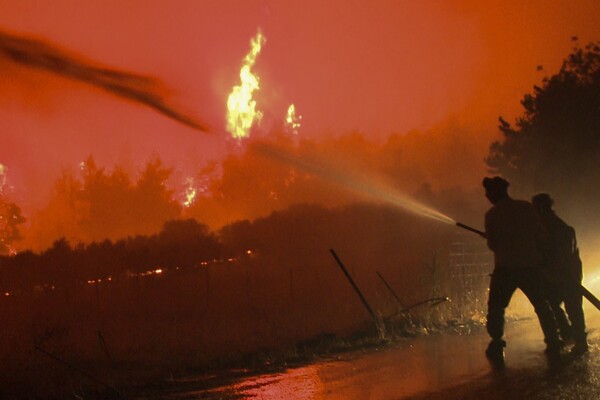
(10, 219)
(253, 185)
(555, 144)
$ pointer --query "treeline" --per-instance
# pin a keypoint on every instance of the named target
(295, 236)
(554, 145)
(95, 204)
(180, 244)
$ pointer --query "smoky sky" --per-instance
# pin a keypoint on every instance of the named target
(42, 55)
(378, 68)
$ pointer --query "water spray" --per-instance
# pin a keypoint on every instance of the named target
(356, 182)
(387, 194)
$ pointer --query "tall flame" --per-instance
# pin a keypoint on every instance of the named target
(241, 108)
(292, 120)
(2, 177)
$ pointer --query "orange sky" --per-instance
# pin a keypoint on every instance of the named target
(377, 67)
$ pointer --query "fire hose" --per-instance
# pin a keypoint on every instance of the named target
(585, 292)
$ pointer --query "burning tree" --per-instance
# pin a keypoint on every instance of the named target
(555, 145)
(10, 219)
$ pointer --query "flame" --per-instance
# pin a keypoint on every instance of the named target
(241, 108)
(190, 192)
(292, 120)
(3, 170)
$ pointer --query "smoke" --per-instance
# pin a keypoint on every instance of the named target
(46, 57)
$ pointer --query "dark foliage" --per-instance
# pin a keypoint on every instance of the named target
(555, 145)
(180, 244)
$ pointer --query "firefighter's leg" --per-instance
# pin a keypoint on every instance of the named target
(574, 307)
(529, 283)
(502, 287)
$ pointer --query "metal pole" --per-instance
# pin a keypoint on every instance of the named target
(387, 285)
(362, 298)
(434, 301)
(74, 368)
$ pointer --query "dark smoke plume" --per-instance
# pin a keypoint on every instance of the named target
(40, 55)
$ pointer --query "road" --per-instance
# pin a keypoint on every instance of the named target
(440, 366)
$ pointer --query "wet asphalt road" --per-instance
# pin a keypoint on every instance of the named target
(441, 366)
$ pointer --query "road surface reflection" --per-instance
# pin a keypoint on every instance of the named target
(410, 368)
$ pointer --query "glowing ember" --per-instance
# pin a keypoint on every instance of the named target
(292, 120)
(241, 108)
